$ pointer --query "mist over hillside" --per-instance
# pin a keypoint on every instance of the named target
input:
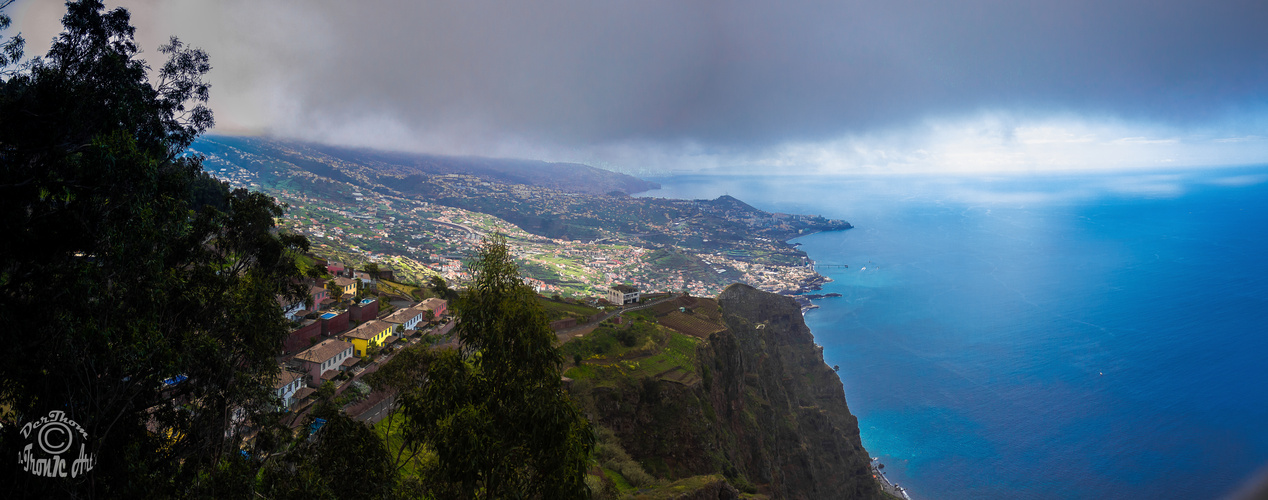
(397, 169)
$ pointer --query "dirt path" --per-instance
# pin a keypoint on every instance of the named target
(568, 334)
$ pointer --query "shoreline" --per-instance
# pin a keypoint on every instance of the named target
(812, 284)
(815, 284)
(887, 486)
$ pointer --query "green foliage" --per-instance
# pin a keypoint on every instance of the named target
(661, 355)
(691, 487)
(123, 265)
(316, 270)
(612, 456)
(615, 340)
(618, 480)
(344, 459)
(335, 291)
(601, 489)
(11, 50)
(557, 309)
(438, 286)
(494, 411)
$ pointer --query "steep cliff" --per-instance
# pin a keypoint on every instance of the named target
(763, 409)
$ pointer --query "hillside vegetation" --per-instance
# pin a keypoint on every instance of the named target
(726, 398)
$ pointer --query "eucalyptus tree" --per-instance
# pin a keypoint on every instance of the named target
(139, 295)
(493, 411)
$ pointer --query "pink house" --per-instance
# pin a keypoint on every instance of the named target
(325, 360)
(438, 307)
(320, 295)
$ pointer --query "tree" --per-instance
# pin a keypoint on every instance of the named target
(335, 291)
(123, 265)
(441, 289)
(11, 50)
(494, 411)
(343, 459)
(317, 271)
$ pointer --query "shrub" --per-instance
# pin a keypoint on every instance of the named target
(612, 455)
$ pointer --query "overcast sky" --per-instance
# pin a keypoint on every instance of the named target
(808, 86)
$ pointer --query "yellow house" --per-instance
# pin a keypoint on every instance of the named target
(367, 335)
(348, 285)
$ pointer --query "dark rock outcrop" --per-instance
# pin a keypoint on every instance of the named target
(767, 413)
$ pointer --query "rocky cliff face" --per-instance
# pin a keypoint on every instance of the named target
(767, 412)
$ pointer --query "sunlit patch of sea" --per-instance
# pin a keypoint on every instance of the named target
(1057, 337)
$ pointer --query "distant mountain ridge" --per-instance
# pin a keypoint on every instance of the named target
(568, 177)
(385, 203)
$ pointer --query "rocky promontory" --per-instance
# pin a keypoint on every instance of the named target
(761, 409)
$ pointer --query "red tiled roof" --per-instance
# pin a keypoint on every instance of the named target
(347, 363)
(322, 352)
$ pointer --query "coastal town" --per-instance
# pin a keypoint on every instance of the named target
(696, 246)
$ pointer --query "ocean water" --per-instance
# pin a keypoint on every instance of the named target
(1043, 337)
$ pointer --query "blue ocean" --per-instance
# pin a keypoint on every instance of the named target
(1094, 336)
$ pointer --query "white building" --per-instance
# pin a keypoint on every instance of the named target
(325, 360)
(622, 294)
(407, 318)
(285, 386)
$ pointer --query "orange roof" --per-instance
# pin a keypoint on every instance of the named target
(368, 330)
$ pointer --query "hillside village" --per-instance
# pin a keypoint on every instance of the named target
(565, 243)
(344, 330)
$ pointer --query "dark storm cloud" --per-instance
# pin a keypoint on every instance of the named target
(726, 71)
(721, 75)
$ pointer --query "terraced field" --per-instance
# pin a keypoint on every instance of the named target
(560, 309)
(690, 324)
